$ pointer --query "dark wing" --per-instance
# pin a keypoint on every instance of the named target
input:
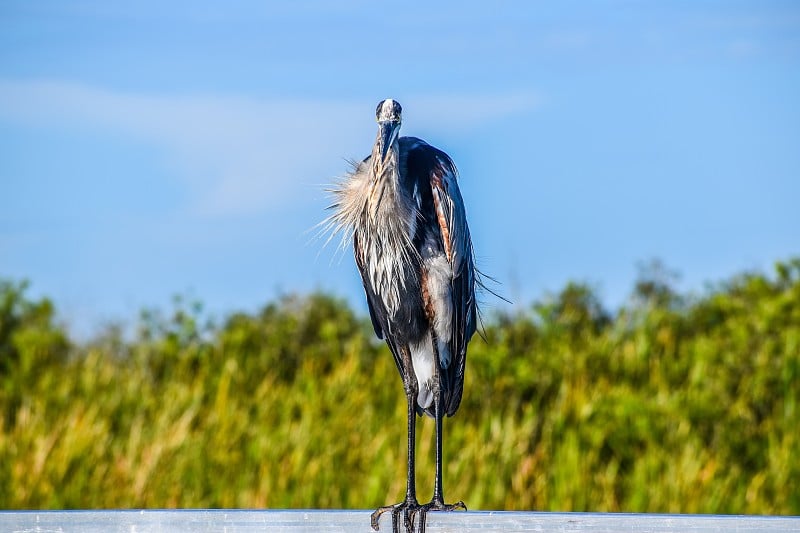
(437, 171)
(362, 269)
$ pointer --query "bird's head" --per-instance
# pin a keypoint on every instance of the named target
(389, 118)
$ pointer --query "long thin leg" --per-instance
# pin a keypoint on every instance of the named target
(410, 503)
(438, 497)
(437, 503)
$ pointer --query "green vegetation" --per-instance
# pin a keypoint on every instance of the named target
(671, 404)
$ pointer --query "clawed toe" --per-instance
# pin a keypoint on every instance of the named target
(407, 508)
(434, 505)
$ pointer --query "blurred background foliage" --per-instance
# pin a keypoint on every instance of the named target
(673, 403)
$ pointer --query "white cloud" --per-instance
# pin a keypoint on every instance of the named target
(235, 154)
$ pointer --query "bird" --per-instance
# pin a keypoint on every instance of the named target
(402, 210)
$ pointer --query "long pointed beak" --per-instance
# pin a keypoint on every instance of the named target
(387, 133)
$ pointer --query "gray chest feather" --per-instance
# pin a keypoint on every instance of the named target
(387, 252)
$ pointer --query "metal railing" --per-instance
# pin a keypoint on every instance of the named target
(236, 521)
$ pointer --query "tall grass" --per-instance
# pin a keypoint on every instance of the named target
(672, 404)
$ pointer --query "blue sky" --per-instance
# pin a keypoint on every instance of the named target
(155, 148)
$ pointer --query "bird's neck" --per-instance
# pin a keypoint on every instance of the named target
(383, 168)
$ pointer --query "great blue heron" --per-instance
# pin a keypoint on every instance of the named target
(403, 209)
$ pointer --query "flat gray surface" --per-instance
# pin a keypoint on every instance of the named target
(230, 521)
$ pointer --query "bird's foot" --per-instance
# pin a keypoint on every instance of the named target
(434, 505)
(407, 508)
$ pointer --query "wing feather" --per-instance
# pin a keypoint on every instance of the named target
(452, 219)
(450, 216)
